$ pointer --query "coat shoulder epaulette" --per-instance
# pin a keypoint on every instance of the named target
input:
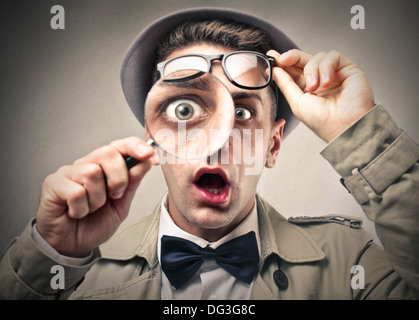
(348, 221)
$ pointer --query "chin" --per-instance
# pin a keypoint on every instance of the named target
(209, 218)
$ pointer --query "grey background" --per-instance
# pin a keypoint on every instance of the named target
(60, 94)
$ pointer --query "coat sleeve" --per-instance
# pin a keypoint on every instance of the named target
(378, 163)
(27, 273)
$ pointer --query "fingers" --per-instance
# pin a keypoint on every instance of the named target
(321, 70)
(289, 88)
(312, 72)
(110, 158)
(81, 187)
(294, 57)
(85, 186)
(292, 62)
(111, 164)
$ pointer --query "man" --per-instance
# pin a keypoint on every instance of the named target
(211, 209)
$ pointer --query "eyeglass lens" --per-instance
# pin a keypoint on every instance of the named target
(185, 63)
(248, 69)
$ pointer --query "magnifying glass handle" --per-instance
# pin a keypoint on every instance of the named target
(131, 162)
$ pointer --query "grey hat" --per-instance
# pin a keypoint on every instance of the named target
(139, 61)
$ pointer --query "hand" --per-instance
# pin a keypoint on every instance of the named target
(327, 92)
(83, 204)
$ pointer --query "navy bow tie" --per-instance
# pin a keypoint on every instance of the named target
(181, 259)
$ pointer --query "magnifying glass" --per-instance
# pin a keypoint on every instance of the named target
(189, 115)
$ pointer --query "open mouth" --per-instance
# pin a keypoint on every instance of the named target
(213, 185)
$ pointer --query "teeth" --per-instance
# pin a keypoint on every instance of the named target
(215, 191)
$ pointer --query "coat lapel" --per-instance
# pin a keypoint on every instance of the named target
(280, 240)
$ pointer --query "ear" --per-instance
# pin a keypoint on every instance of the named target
(275, 140)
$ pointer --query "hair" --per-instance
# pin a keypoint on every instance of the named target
(229, 34)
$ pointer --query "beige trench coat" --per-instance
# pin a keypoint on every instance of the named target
(378, 163)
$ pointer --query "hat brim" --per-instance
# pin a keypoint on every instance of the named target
(139, 61)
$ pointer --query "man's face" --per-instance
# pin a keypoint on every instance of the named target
(210, 199)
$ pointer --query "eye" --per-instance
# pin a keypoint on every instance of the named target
(242, 113)
(183, 110)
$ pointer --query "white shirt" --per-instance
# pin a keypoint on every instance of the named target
(211, 281)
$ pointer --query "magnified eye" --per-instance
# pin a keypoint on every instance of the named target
(183, 110)
(242, 113)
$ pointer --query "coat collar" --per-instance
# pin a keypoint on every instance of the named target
(291, 243)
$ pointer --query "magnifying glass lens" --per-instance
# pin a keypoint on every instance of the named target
(189, 114)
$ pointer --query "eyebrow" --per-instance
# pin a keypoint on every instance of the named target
(246, 95)
(195, 83)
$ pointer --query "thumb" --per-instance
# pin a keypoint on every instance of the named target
(288, 87)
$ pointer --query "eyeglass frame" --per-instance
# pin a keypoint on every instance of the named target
(222, 58)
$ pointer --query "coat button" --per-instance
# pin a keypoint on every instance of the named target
(281, 279)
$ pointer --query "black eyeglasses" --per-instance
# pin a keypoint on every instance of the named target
(245, 69)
